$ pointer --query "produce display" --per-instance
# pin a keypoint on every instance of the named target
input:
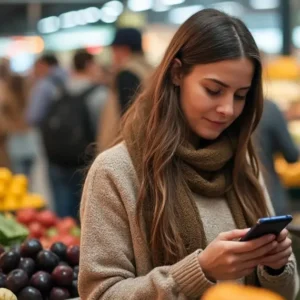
(31, 272)
(14, 193)
(48, 228)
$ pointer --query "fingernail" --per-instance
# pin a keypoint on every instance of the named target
(271, 237)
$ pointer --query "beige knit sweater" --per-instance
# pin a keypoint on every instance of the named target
(114, 261)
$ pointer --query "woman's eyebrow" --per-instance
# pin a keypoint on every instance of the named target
(225, 84)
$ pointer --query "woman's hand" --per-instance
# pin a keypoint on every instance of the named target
(279, 256)
(225, 258)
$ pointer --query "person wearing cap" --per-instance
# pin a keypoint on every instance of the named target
(131, 69)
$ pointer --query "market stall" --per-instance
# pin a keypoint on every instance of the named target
(39, 252)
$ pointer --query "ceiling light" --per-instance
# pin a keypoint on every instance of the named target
(116, 7)
(67, 20)
(91, 14)
(140, 5)
(172, 2)
(265, 4)
(160, 8)
(181, 14)
(108, 15)
(230, 7)
(79, 18)
(48, 25)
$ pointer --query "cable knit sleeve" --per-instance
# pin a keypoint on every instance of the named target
(287, 283)
(112, 255)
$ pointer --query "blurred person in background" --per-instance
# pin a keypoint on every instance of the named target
(131, 68)
(22, 143)
(85, 75)
(5, 74)
(76, 113)
(273, 138)
(49, 77)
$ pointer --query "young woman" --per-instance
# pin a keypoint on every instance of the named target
(163, 210)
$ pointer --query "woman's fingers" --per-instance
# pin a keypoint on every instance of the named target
(277, 257)
(282, 236)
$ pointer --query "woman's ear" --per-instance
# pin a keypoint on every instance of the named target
(176, 72)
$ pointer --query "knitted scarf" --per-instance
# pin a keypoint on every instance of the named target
(206, 171)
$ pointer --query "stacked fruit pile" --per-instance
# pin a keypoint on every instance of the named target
(14, 192)
(48, 228)
(33, 273)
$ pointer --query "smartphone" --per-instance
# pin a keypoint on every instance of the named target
(269, 225)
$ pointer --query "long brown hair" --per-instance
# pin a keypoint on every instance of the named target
(206, 37)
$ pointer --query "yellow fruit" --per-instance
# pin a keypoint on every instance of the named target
(233, 291)
(10, 203)
(5, 175)
(17, 190)
(3, 189)
(21, 179)
(6, 294)
(33, 201)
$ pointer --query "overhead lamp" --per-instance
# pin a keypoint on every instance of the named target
(265, 4)
(49, 25)
(116, 7)
(181, 14)
(108, 15)
(158, 6)
(79, 18)
(67, 20)
(172, 2)
(91, 14)
(140, 5)
(230, 7)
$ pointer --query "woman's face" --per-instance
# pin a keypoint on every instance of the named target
(213, 95)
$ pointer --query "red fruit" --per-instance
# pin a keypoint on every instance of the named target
(59, 294)
(62, 276)
(46, 243)
(47, 218)
(26, 216)
(68, 240)
(36, 230)
(73, 253)
(65, 225)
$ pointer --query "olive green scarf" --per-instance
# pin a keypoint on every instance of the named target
(206, 171)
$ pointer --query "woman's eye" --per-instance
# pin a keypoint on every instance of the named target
(240, 97)
(213, 92)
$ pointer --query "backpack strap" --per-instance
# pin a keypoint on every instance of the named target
(89, 128)
(88, 91)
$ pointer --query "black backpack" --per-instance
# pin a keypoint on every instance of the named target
(67, 130)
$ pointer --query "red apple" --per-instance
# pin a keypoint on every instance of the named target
(45, 242)
(47, 218)
(36, 230)
(65, 225)
(68, 240)
(26, 216)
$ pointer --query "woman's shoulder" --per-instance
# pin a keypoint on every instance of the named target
(116, 161)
